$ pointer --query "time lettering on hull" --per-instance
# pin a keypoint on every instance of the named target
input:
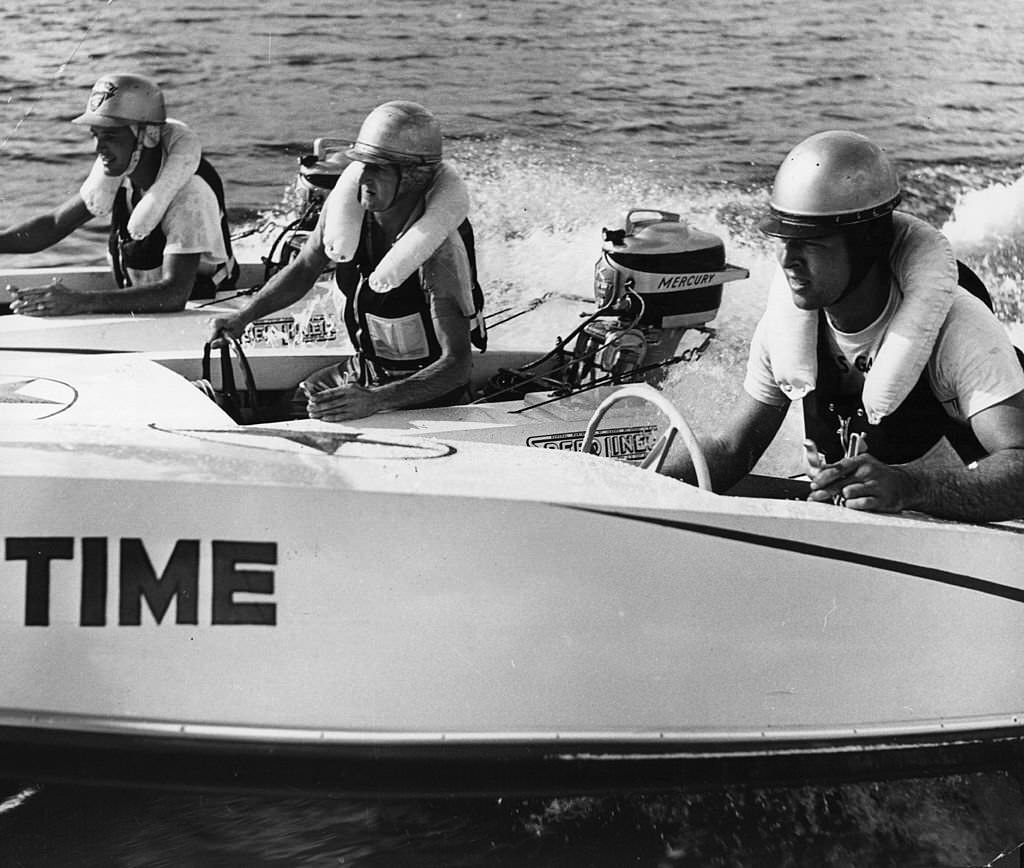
(138, 583)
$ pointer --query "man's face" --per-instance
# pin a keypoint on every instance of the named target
(818, 269)
(378, 186)
(114, 146)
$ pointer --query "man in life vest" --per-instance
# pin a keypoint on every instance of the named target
(952, 444)
(169, 237)
(412, 341)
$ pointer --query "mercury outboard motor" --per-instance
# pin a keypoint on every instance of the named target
(318, 173)
(656, 279)
(320, 170)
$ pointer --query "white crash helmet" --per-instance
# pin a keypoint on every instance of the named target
(123, 99)
(398, 132)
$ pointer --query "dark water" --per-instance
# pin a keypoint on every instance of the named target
(954, 821)
(561, 116)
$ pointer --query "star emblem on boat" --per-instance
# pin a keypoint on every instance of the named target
(343, 443)
(11, 393)
(28, 397)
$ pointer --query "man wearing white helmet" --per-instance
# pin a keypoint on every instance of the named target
(913, 395)
(169, 237)
(412, 341)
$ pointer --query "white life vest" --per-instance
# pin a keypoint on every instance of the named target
(923, 266)
(446, 207)
(181, 154)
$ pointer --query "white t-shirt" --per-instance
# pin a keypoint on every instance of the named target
(191, 224)
(973, 365)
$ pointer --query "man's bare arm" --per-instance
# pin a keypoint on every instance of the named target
(39, 233)
(439, 378)
(736, 449)
(991, 489)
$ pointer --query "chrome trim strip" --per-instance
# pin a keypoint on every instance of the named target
(86, 724)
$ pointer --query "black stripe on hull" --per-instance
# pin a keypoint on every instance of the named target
(931, 574)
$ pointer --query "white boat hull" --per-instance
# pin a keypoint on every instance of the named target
(362, 599)
(314, 322)
(186, 600)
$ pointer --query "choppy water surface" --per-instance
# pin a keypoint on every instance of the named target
(561, 116)
(955, 821)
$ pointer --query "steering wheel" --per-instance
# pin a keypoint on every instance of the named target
(655, 458)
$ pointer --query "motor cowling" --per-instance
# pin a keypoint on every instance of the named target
(658, 282)
(319, 172)
(317, 175)
(672, 272)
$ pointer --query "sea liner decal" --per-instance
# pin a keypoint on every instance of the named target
(627, 444)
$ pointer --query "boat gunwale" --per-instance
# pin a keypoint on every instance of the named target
(692, 742)
(447, 767)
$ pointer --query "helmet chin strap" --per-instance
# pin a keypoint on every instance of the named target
(143, 139)
(133, 161)
(858, 271)
(862, 262)
(398, 185)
